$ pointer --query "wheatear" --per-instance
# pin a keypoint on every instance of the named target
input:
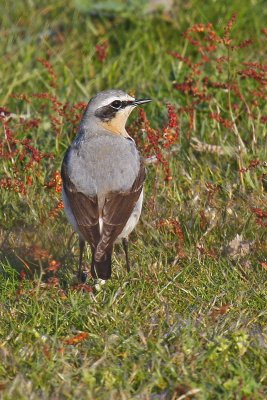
(103, 176)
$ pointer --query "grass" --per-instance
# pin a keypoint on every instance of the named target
(189, 321)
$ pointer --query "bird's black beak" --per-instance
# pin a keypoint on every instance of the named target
(141, 101)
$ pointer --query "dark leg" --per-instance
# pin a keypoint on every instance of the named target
(125, 248)
(81, 274)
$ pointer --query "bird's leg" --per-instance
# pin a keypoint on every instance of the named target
(125, 248)
(81, 274)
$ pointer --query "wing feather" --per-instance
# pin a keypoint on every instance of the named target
(84, 208)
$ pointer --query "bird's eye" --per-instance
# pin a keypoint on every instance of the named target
(116, 104)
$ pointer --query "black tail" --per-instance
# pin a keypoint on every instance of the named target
(101, 269)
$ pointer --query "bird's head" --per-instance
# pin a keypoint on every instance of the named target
(111, 108)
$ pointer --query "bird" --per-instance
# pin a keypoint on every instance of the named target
(103, 176)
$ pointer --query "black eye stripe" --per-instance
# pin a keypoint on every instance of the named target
(106, 113)
(117, 104)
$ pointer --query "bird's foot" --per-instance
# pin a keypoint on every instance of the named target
(82, 274)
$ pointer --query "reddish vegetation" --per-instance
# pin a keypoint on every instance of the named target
(198, 88)
(102, 51)
(175, 226)
(253, 164)
(261, 216)
(80, 337)
(246, 94)
(55, 182)
(50, 70)
(211, 190)
(82, 287)
(218, 311)
(158, 140)
(53, 266)
(56, 210)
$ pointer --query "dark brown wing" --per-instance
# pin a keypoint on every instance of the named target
(116, 211)
(84, 209)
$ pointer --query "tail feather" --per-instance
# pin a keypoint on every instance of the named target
(101, 269)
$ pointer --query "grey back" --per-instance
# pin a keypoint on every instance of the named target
(102, 162)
